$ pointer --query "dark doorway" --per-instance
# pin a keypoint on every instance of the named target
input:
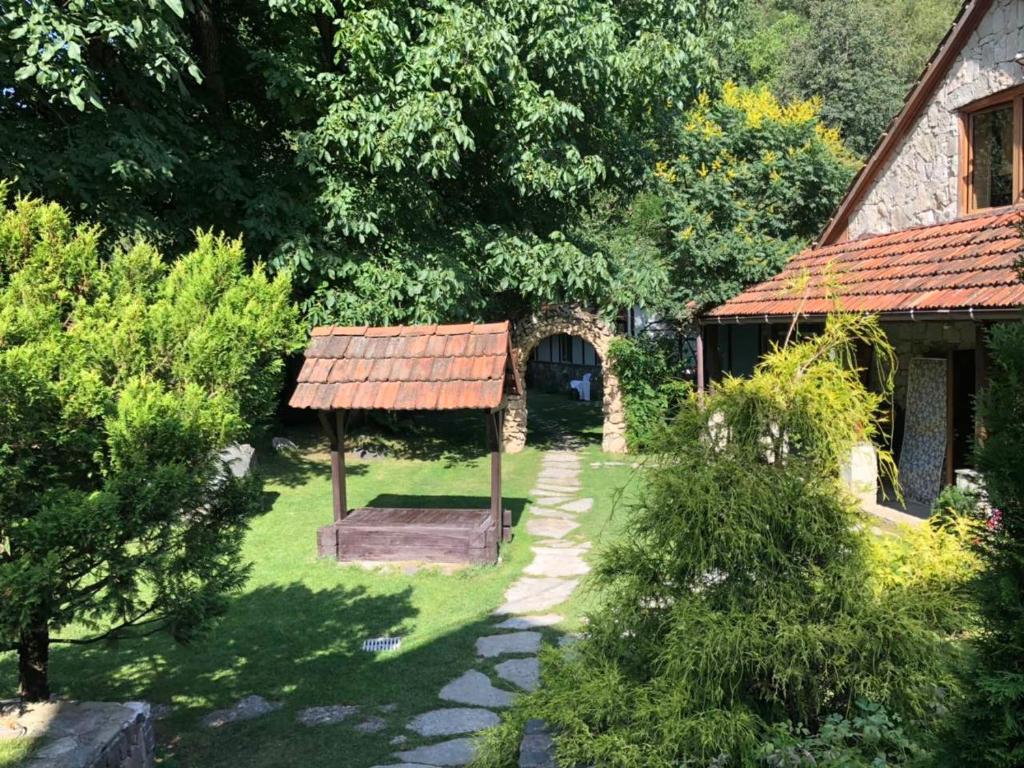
(964, 389)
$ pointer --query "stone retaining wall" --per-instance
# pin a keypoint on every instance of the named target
(86, 734)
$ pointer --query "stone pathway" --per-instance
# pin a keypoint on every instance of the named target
(511, 652)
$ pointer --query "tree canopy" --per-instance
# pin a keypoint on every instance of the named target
(405, 161)
(120, 379)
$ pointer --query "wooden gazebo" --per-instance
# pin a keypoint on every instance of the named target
(409, 368)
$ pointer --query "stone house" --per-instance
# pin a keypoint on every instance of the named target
(928, 236)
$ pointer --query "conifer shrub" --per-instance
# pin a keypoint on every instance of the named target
(747, 598)
(991, 731)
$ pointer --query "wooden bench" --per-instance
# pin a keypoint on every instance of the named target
(399, 534)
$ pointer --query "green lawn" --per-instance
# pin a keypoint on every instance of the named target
(294, 634)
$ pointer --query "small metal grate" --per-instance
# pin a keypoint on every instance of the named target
(378, 644)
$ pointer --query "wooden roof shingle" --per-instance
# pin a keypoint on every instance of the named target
(407, 368)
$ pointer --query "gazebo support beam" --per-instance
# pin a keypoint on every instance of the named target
(494, 441)
(333, 423)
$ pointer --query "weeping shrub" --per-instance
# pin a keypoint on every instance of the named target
(746, 596)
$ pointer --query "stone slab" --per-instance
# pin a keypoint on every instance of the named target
(552, 501)
(548, 512)
(453, 721)
(558, 473)
(511, 642)
(524, 673)
(529, 622)
(536, 595)
(558, 563)
(325, 715)
(580, 505)
(547, 527)
(542, 489)
(453, 752)
(372, 725)
(475, 688)
(248, 708)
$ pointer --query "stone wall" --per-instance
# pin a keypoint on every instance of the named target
(573, 321)
(918, 185)
(86, 734)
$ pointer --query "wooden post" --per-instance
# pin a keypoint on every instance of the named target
(700, 362)
(950, 469)
(494, 444)
(334, 428)
(980, 377)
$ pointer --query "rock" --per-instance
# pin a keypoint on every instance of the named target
(524, 673)
(283, 445)
(398, 740)
(558, 473)
(552, 501)
(162, 711)
(239, 458)
(454, 752)
(548, 527)
(475, 688)
(529, 622)
(453, 721)
(404, 765)
(514, 642)
(325, 715)
(557, 562)
(372, 725)
(580, 505)
(387, 708)
(537, 749)
(533, 595)
(551, 490)
(568, 641)
(248, 708)
(555, 513)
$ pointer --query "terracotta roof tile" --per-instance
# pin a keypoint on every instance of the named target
(968, 263)
(431, 367)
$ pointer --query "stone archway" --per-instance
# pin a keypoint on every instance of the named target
(572, 321)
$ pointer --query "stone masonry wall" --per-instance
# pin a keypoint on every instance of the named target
(573, 321)
(86, 734)
(918, 186)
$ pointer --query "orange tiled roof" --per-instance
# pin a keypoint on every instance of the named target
(965, 264)
(407, 368)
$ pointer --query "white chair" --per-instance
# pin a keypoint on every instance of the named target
(582, 386)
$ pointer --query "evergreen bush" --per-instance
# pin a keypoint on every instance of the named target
(746, 595)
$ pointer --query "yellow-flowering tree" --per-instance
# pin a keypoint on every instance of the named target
(752, 180)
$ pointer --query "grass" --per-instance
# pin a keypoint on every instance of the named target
(294, 633)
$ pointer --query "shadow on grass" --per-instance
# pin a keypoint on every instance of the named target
(557, 421)
(288, 644)
(412, 501)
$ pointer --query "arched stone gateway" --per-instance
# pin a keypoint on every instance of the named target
(572, 321)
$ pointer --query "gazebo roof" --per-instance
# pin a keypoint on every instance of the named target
(407, 368)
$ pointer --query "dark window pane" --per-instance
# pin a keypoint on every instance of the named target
(992, 174)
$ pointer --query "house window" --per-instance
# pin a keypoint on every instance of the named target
(991, 152)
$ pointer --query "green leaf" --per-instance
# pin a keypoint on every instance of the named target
(175, 5)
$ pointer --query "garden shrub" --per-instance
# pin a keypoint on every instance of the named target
(652, 384)
(121, 376)
(746, 597)
(953, 506)
(991, 731)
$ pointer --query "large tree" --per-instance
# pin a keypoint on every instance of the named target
(859, 56)
(120, 378)
(407, 160)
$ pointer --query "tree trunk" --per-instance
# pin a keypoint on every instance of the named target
(34, 663)
(206, 39)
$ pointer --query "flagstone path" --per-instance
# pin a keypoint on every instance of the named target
(510, 653)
